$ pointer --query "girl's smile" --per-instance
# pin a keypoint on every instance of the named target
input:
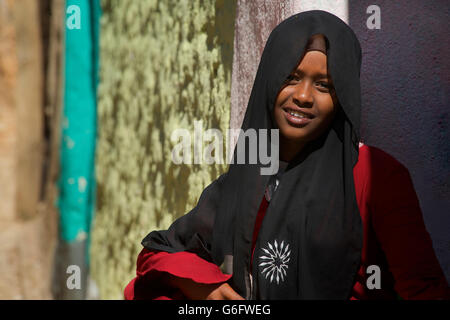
(296, 116)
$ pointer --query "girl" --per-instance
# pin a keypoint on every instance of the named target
(339, 220)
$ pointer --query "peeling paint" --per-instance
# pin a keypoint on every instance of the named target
(82, 183)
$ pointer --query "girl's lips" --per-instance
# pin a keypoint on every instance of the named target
(295, 121)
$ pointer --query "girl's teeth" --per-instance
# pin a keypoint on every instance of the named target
(296, 114)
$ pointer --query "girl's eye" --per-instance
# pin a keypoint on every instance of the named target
(292, 78)
(324, 85)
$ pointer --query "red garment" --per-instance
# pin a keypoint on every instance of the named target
(394, 239)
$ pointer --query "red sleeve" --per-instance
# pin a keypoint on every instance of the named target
(400, 229)
(153, 266)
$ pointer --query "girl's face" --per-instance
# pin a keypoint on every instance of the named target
(306, 105)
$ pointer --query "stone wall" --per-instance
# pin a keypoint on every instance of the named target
(164, 65)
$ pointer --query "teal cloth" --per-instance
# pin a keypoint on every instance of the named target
(76, 200)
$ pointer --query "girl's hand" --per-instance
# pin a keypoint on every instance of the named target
(199, 291)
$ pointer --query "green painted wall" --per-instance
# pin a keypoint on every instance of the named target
(163, 65)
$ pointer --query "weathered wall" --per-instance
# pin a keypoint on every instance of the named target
(76, 179)
(405, 80)
(29, 97)
(8, 112)
(27, 228)
(164, 64)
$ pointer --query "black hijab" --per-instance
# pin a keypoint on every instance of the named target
(309, 244)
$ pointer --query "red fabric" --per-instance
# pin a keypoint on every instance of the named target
(394, 233)
(151, 267)
(394, 239)
(258, 222)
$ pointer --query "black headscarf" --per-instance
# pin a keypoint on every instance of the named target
(309, 244)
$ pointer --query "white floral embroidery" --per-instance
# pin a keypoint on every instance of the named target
(275, 262)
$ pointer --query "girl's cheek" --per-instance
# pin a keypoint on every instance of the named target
(287, 91)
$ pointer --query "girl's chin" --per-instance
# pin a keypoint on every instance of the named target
(297, 135)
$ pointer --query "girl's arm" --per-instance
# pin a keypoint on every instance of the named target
(173, 261)
(180, 275)
(400, 229)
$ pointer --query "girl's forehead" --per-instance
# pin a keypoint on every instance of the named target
(313, 63)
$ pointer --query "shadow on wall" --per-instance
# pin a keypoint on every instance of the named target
(405, 112)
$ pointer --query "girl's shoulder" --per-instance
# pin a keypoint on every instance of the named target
(377, 161)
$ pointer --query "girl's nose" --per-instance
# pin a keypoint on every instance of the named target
(302, 95)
